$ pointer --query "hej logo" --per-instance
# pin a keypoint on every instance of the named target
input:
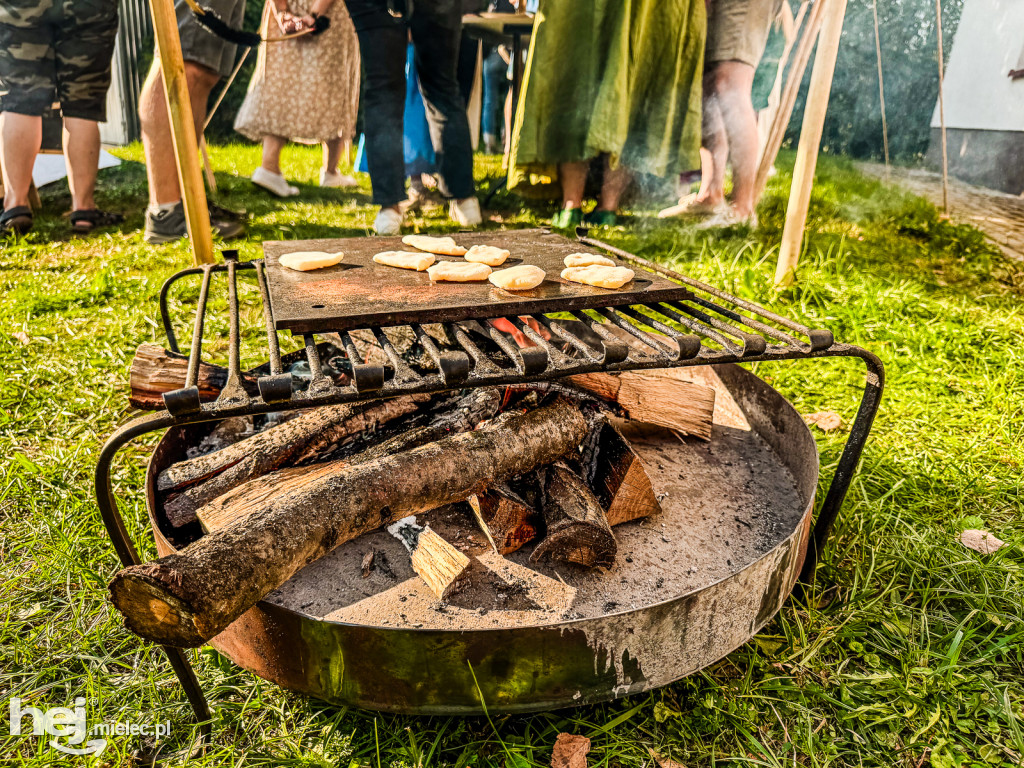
(61, 723)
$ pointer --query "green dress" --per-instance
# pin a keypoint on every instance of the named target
(621, 77)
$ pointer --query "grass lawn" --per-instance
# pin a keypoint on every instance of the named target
(910, 652)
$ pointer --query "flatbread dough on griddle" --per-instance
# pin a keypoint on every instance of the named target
(458, 272)
(444, 246)
(599, 276)
(519, 278)
(304, 261)
(405, 259)
(587, 259)
(490, 255)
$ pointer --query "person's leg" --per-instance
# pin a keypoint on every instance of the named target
(436, 30)
(82, 150)
(733, 82)
(272, 146)
(715, 143)
(495, 84)
(332, 156)
(573, 177)
(158, 146)
(614, 184)
(21, 137)
(383, 102)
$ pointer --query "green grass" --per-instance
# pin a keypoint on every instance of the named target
(910, 652)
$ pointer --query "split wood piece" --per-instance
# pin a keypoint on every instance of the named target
(509, 519)
(577, 529)
(661, 397)
(156, 370)
(727, 411)
(437, 562)
(204, 478)
(621, 483)
(261, 536)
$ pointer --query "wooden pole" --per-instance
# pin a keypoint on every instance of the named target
(777, 133)
(183, 130)
(810, 141)
(881, 89)
(942, 110)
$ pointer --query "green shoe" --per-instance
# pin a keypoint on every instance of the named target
(567, 218)
(601, 218)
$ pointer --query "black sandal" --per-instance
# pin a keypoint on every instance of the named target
(17, 220)
(84, 222)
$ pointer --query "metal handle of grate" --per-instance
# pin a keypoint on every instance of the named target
(707, 326)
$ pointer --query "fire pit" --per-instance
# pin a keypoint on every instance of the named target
(689, 584)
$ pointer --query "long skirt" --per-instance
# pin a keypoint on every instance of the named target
(615, 77)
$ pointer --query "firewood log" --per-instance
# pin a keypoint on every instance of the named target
(204, 478)
(261, 536)
(577, 529)
(437, 562)
(620, 481)
(512, 522)
(663, 397)
(156, 370)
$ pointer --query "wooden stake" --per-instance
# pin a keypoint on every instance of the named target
(942, 109)
(789, 95)
(810, 142)
(881, 88)
(183, 130)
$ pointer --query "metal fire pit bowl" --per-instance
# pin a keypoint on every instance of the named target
(734, 535)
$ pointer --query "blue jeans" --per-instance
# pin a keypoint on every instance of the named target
(496, 85)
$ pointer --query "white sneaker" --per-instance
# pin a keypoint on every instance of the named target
(465, 212)
(336, 179)
(388, 222)
(273, 182)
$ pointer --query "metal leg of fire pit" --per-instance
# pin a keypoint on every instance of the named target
(874, 384)
(128, 555)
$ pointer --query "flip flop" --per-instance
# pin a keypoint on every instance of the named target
(84, 222)
(17, 220)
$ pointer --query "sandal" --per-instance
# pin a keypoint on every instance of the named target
(84, 222)
(17, 220)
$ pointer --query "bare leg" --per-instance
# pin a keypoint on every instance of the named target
(733, 81)
(161, 169)
(614, 184)
(332, 155)
(21, 138)
(715, 152)
(574, 178)
(272, 146)
(82, 150)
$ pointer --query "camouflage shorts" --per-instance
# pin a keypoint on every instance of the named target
(56, 50)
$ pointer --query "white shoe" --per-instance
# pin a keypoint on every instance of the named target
(388, 222)
(728, 217)
(465, 212)
(336, 179)
(273, 182)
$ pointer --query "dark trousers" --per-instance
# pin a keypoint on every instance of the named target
(435, 27)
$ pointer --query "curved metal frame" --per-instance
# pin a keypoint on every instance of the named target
(128, 555)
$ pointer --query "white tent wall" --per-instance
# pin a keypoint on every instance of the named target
(984, 107)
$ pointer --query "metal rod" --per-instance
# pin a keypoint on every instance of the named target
(196, 351)
(165, 314)
(750, 322)
(313, 357)
(268, 318)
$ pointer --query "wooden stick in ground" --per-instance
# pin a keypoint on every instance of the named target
(621, 483)
(577, 529)
(259, 540)
(156, 370)
(437, 562)
(658, 397)
(810, 142)
(787, 102)
(183, 130)
(204, 478)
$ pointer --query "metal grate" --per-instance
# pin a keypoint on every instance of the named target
(706, 326)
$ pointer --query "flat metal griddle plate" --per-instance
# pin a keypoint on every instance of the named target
(359, 293)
